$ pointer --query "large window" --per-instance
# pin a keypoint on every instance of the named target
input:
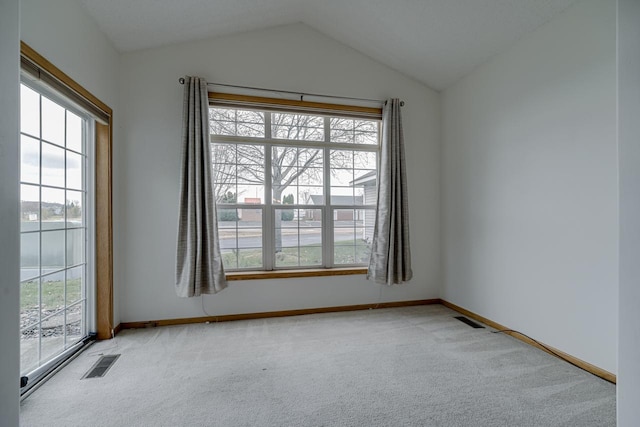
(294, 189)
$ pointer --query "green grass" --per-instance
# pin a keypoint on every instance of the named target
(345, 253)
(52, 294)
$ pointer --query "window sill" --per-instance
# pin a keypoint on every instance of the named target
(285, 274)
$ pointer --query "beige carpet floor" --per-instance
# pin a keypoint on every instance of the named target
(414, 366)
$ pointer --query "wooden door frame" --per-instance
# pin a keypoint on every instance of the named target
(105, 328)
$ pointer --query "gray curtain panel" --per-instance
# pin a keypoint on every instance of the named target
(199, 267)
(390, 260)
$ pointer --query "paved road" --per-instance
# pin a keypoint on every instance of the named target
(289, 238)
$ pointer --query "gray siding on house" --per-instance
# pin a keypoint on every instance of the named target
(370, 196)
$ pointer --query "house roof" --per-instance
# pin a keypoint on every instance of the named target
(433, 41)
(368, 178)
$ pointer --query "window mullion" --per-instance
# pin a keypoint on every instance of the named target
(267, 125)
(327, 217)
(268, 224)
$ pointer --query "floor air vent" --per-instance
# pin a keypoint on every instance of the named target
(469, 322)
(101, 366)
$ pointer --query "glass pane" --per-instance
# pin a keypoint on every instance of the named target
(341, 196)
(343, 218)
(341, 159)
(52, 165)
(229, 121)
(352, 234)
(74, 132)
(75, 246)
(74, 285)
(29, 111)
(354, 131)
(250, 238)
(53, 122)
(250, 218)
(227, 218)
(292, 167)
(74, 208)
(229, 258)
(223, 153)
(297, 126)
(311, 177)
(52, 332)
(53, 208)
(249, 258)
(343, 236)
(240, 233)
(74, 170)
(29, 255)
(53, 298)
(307, 256)
(29, 343)
(298, 237)
(365, 160)
(342, 177)
(310, 158)
(29, 303)
(52, 251)
(310, 195)
(74, 330)
(29, 207)
(29, 160)
(251, 161)
(225, 192)
(363, 245)
(344, 254)
(250, 194)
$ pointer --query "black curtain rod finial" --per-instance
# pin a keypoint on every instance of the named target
(181, 80)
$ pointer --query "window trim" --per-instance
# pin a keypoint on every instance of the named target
(105, 327)
(269, 270)
(288, 274)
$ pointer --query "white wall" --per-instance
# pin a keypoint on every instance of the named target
(292, 57)
(64, 34)
(530, 186)
(9, 217)
(629, 146)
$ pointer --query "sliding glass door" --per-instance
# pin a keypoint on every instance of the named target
(56, 228)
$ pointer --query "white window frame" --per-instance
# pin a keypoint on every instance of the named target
(88, 290)
(268, 207)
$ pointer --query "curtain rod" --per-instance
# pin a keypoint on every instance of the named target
(301, 94)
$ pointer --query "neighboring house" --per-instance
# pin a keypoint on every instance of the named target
(339, 215)
(251, 214)
(368, 182)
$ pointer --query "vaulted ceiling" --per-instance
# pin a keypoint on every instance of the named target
(434, 41)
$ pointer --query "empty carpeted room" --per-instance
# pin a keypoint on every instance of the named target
(415, 213)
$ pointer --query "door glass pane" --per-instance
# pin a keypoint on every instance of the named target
(53, 172)
(74, 208)
(29, 255)
(53, 122)
(29, 111)
(29, 159)
(52, 208)
(74, 132)
(74, 170)
(29, 207)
